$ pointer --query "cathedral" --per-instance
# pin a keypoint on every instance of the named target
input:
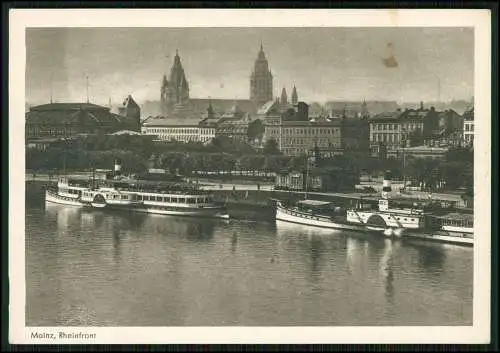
(176, 103)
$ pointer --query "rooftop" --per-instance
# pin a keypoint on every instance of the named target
(314, 203)
(469, 114)
(458, 216)
(163, 121)
(67, 106)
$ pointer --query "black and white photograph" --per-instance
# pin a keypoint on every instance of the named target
(282, 176)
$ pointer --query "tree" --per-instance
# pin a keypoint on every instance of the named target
(271, 147)
(256, 130)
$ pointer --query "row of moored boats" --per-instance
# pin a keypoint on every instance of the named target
(389, 217)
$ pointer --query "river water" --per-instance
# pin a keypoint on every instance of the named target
(96, 268)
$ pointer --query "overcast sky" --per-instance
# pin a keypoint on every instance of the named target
(324, 63)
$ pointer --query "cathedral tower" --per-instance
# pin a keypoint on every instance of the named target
(261, 81)
(295, 96)
(175, 90)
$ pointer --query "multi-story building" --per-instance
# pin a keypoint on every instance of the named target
(469, 127)
(181, 130)
(296, 138)
(233, 124)
(402, 128)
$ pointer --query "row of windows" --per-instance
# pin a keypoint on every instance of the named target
(55, 131)
(309, 142)
(469, 127)
(386, 137)
(302, 131)
(69, 191)
(170, 199)
(173, 130)
(182, 138)
(380, 127)
(406, 219)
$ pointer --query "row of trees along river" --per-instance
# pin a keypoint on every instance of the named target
(139, 152)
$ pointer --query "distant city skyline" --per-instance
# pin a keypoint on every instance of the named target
(323, 63)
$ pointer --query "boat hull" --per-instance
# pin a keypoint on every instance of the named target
(52, 197)
(285, 215)
(443, 237)
(210, 212)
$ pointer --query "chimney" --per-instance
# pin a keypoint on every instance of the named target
(386, 185)
(421, 105)
(118, 166)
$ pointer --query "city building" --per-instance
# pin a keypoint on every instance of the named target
(131, 110)
(468, 131)
(233, 124)
(318, 180)
(69, 119)
(359, 108)
(405, 128)
(298, 137)
(181, 130)
(418, 152)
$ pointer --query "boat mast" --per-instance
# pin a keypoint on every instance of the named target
(307, 174)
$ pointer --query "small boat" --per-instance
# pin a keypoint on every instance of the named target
(316, 214)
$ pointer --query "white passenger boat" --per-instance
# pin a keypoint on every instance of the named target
(443, 236)
(316, 214)
(392, 218)
(137, 196)
(455, 228)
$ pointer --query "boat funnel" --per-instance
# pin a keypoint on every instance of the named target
(386, 185)
(118, 166)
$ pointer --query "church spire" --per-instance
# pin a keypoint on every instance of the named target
(295, 96)
(284, 98)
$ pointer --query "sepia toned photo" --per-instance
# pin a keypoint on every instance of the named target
(194, 182)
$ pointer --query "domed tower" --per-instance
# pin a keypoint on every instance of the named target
(261, 80)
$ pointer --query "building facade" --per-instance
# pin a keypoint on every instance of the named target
(233, 125)
(468, 132)
(295, 138)
(178, 130)
(58, 120)
(402, 128)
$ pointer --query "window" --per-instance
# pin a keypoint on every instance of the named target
(124, 197)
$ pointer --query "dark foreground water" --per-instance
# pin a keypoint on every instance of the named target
(94, 268)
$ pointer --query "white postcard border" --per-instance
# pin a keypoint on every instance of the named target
(479, 332)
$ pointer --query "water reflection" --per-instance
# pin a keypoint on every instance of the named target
(117, 246)
(120, 269)
(234, 242)
(386, 269)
